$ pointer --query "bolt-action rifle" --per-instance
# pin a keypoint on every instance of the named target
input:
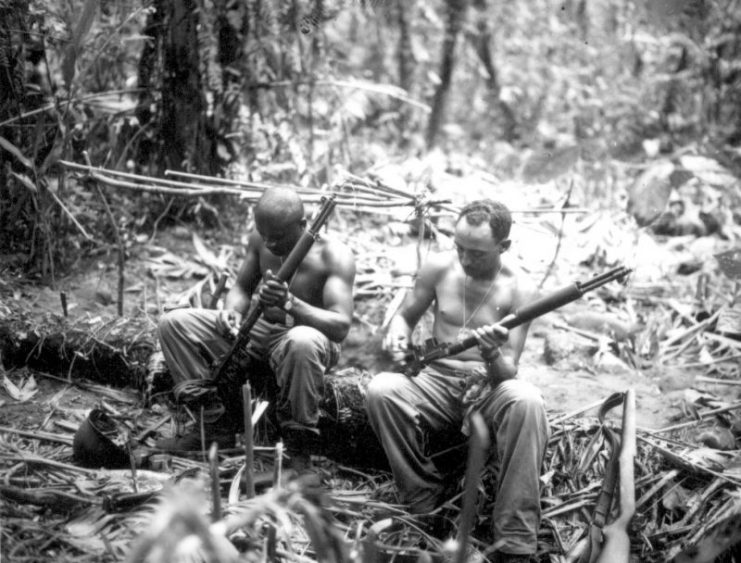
(286, 271)
(433, 350)
(614, 544)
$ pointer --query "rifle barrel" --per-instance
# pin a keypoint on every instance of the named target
(528, 312)
(606, 277)
(286, 271)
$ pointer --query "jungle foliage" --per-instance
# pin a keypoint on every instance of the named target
(285, 91)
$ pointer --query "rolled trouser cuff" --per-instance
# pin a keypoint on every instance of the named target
(201, 397)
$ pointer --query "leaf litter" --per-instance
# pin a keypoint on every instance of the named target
(686, 490)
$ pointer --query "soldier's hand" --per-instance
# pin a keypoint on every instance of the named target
(228, 323)
(491, 338)
(274, 291)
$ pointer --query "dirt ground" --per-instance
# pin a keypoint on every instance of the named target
(175, 266)
(91, 290)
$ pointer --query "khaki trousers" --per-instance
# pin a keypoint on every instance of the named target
(298, 356)
(406, 411)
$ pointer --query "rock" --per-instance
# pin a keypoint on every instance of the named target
(675, 379)
(567, 349)
(610, 363)
(649, 194)
(717, 438)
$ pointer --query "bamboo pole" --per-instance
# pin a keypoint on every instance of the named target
(213, 462)
(256, 186)
(249, 455)
(386, 196)
(177, 188)
(132, 176)
(212, 185)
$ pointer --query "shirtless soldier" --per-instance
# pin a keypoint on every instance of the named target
(298, 335)
(471, 290)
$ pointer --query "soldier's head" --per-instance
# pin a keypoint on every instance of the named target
(481, 235)
(279, 218)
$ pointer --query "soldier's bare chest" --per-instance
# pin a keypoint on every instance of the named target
(307, 281)
(466, 302)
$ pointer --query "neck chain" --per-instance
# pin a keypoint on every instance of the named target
(464, 332)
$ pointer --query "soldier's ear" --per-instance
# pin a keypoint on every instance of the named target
(303, 223)
(505, 244)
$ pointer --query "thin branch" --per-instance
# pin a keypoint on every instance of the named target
(53, 105)
(560, 237)
(119, 243)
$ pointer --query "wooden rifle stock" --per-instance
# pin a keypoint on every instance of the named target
(616, 546)
(286, 271)
(521, 316)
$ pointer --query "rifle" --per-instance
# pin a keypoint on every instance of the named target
(432, 351)
(286, 271)
(616, 546)
(610, 543)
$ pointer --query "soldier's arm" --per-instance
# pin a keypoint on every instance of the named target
(248, 277)
(334, 317)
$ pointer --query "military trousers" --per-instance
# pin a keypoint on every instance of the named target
(299, 357)
(407, 412)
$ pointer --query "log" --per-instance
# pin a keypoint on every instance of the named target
(346, 433)
(116, 351)
(106, 349)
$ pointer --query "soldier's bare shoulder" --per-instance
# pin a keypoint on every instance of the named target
(335, 252)
(518, 279)
(438, 265)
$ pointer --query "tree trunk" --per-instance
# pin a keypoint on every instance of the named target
(482, 45)
(232, 29)
(456, 13)
(405, 58)
(405, 54)
(172, 63)
(12, 61)
(187, 143)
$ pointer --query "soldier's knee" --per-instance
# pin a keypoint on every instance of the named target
(302, 340)
(383, 385)
(524, 397)
(170, 320)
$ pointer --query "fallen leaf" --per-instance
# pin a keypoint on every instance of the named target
(675, 497)
(730, 263)
(206, 256)
(22, 393)
(705, 356)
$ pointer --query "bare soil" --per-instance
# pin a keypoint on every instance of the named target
(92, 290)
